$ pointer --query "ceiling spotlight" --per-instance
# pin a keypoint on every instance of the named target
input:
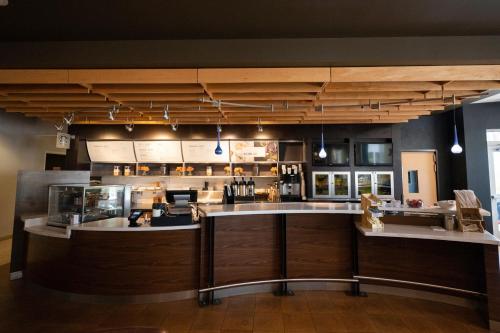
(129, 127)
(69, 120)
(59, 127)
(174, 126)
(165, 113)
(259, 127)
(111, 115)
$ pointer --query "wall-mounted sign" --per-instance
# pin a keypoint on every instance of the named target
(204, 151)
(158, 151)
(254, 151)
(63, 140)
(111, 151)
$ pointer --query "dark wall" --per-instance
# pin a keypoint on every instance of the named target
(478, 118)
(309, 52)
(432, 132)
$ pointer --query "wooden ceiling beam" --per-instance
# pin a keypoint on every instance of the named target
(156, 97)
(416, 73)
(383, 95)
(30, 76)
(149, 88)
(266, 96)
(42, 89)
(410, 86)
(244, 88)
(132, 76)
(57, 97)
(263, 75)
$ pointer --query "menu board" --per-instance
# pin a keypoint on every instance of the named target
(158, 151)
(254, 151)
(204, 151)
(111, 151)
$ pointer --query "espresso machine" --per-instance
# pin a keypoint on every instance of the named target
(290, 184)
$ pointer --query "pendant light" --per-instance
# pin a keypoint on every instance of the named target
(322, 152)
(260, 129)
(165, 112)
(456, 148)
(218, 149)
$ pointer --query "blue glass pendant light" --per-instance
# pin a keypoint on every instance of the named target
(218, 149)
(322, 151)
(456, 148)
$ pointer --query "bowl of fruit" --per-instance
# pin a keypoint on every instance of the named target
(414, 203)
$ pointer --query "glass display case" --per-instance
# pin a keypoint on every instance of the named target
(75, 203)
(380, 183)
(333, 185)
(341, 184)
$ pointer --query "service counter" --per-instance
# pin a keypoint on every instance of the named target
(267, 244)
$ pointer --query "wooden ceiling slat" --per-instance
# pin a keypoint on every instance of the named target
(266, 96)
(56, 97)
(148, 88)
(95, 76)
(30, 76)
(263, 87)
(42, 89)
(350, 95)
(263, 75)
(415, 73)
(410, 86)
(383, 95)
(156, 97)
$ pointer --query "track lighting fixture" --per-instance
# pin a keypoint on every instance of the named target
(129, 127)
(69, 119)
(456, 148)
(260, 129)
(59, 127)
(165, 113)
(218, 149)
(174, 126)
(112, 112)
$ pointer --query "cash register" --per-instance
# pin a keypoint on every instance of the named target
(181, 209)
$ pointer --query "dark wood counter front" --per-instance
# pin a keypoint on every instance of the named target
(246, 249)
(116, 263)
(450, 264)
(319, 246)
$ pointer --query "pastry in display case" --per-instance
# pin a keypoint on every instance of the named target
(80, 203)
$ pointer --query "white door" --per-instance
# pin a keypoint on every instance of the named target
(494, 167)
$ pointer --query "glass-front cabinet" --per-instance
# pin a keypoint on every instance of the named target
(334, 185)
(72, 204)
(321, 184)
(341, 184)
(380, 183)
(384, 185)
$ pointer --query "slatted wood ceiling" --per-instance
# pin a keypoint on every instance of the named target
(346, 94)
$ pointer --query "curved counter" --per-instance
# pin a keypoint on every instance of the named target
(267, 243)
(109, 258)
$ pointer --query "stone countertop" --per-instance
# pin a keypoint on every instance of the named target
(310, 208)
(427, 232)
(281, 208)
(38, 226)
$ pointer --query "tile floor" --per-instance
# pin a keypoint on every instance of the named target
(23, 309)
